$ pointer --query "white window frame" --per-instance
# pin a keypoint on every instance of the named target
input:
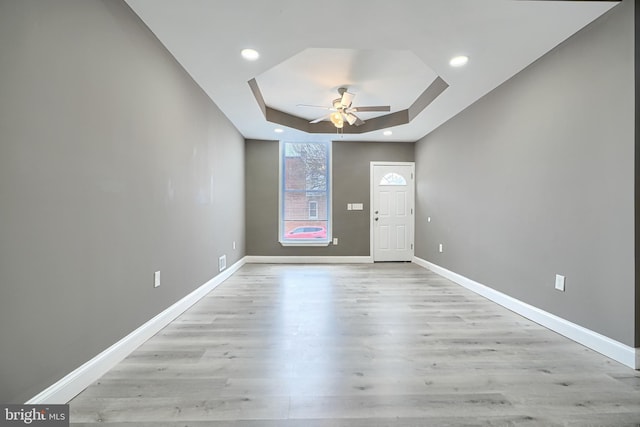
(329, 198)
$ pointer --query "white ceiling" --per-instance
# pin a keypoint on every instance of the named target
(386, 52)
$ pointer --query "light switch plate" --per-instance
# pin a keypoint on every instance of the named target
(560, 280)
(156, 279)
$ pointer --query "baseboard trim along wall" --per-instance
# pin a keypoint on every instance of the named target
(309, 259)
(73, 383)
(615, 350)
(76, 381)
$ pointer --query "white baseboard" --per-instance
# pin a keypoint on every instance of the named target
(73, 383)
(615, 350)
(309, 259)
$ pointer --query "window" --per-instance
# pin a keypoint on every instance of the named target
(313, 209)
(393, 178)
(305, 202)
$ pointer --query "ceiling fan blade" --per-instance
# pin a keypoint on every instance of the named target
(324, 107)
(372, 108)
(319, 119)
(351, 118)
(359, 121)
(347, 98)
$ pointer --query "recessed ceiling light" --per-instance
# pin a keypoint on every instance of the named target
(278, 130)
(387, 133)
(459, 61)
(250, 54)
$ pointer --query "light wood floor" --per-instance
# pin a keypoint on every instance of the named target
(388, 344)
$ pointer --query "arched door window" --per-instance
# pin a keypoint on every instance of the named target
(393, 178)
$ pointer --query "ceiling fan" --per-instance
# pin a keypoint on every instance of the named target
(343, 111)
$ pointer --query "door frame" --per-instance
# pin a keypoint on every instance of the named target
(372, 186)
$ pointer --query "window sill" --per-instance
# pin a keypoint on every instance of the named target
(305, 243)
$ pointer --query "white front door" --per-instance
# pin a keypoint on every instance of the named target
(392, 211)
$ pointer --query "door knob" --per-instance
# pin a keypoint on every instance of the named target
(376, 218)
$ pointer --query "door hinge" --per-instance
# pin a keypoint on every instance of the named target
(412, 246)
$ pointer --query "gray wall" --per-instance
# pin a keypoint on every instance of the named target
(113, 164)
(637, 165)
(350, 185)
(537, 179)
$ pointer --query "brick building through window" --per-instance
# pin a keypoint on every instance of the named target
(305, 192)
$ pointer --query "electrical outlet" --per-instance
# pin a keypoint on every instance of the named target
(560, 280)
(335, 240)
(156, 279)
(222, 262)
(440, 249)
(234, 245)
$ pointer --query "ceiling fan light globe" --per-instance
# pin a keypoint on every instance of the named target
(336, 119)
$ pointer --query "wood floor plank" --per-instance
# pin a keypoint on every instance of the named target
(388, 344)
